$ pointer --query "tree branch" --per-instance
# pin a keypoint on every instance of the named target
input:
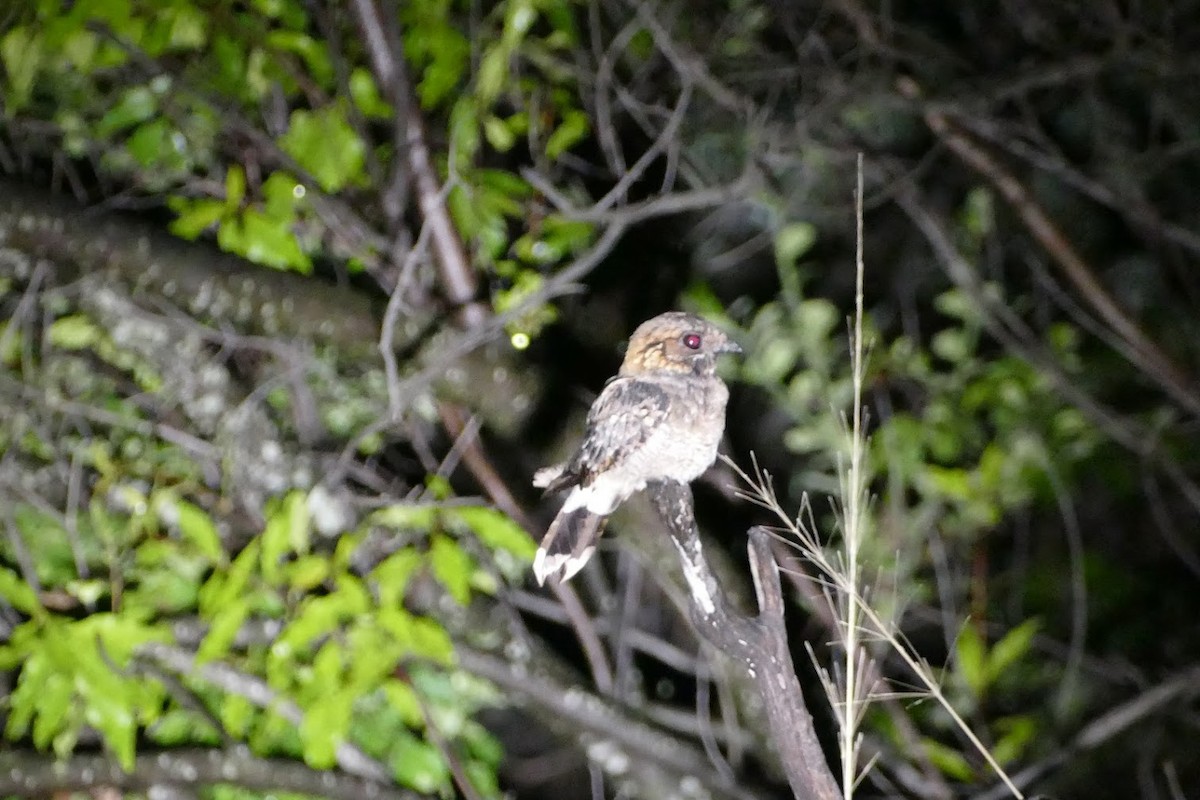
(758, 643)
(1141, 351)
(599, 717)
(1106, 727)
(349, 756)
(28, 774)
(386, 52)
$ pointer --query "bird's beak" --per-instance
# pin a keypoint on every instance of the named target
(730, 346)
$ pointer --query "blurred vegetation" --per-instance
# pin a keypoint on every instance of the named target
(296, 295)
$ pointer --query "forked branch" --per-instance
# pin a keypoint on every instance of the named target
(759, 643)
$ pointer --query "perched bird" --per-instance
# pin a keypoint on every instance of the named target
(660, 418)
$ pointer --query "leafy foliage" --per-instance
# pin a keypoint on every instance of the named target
(191, 458)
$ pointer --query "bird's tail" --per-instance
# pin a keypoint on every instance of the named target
(568, 544)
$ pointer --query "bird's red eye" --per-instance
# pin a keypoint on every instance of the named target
(691, 341)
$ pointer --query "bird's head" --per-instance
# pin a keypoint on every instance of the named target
(676, 342)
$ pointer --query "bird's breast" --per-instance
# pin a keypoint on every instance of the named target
(685, 444)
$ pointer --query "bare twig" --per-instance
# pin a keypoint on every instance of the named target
(661, 206)
(687, 64)
(639, 640)
(669, 131)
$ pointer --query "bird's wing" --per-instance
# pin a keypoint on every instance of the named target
(620, 422)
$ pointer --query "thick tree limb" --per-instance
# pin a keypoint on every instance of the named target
(29, 774)
(38, 226)
(599, 717)
(759, 643)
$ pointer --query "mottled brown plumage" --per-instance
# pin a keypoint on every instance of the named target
(660, 418)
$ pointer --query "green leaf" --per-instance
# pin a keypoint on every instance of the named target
(308, 572)
(392, 576)
(137, 104)
(464, 132)
(520, 16)
(496, 530)
(226, 587)
(188, 27)
(181, 727)
(448, 53)
(405, 516)
(574, 127)
(75, 332)
(236, 714)
(452, 567)
(325, 144)
(314, 52)
(816, 320)
(21, 50)
(1011, 648)
(493, 71)
(372, 655)
(958, 304)
(193, 523)
(282, 196)
(56, 701)
(156, 143)
(11, 339)
(568, 235)
(17, 593)
(320, 615)
(195, 216)
(951, 483)
(773, 360)
(418, 636)
(430, 640)
(418, 764)
(792, 241)
(366, 95)
(978, 213)
(482, 744)
(483, 777)
(498, 134)
(286, 533)
(951, 762)
(120, 635)
(1019, 731)
(235, 186)
(403, 699)
(972, 660)
(324, 727)
(68, 679)
(198, 528)
(222, 631)
(952, 344)
(263, 239)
